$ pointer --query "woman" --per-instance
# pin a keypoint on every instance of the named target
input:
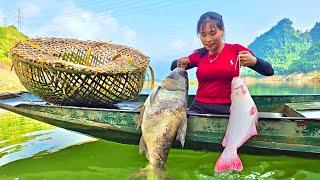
(216, 65)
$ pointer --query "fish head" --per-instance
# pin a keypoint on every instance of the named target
(179, 79)
(176, 81)
(238, 86)
(236, 82)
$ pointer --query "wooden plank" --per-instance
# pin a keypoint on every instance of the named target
(270, 115)
(311, 113)
(302, 109)
(291, 112)
(304, 105)
(9, 96)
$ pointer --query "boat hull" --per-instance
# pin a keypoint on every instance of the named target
(205, 131)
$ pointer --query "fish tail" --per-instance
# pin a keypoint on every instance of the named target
(150, 172)
(229, 160)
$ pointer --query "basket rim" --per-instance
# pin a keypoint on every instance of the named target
(50, 61)
(76, 71)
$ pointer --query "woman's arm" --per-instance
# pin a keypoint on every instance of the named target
(259, 65)
(263, 67)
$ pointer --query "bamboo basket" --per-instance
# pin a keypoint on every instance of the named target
(79, 73)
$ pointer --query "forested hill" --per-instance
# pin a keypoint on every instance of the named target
(288, 49)
(9, 35)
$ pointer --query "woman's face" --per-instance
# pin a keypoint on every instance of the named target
(211, 37)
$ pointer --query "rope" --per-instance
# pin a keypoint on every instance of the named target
(239, 66)
(88, 54)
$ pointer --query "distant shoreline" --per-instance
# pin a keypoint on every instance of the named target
(298, 79)
(9, 82)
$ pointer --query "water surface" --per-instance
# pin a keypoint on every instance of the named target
(33, 150)
(277, 88)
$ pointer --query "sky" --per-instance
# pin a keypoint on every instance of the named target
(164, 30)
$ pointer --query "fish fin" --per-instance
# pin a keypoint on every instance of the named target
(154, 93)
(181, 134)
(138, 119)
(253, 111)
(224, 141)
(229, 160)
(143, 147)
(252, 131)
(243, 89)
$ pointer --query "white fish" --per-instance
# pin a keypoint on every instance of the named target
(241, 126)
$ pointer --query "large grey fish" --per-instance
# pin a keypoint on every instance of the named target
(164, 117)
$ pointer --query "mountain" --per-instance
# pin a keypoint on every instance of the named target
(282, 45)
(315, 32)
(9, 35)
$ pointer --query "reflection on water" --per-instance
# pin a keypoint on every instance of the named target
(34, 150)
(20, 138)
(42, 142)
(283, 88)
(271, 88)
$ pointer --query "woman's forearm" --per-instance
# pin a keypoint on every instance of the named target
(263, 67)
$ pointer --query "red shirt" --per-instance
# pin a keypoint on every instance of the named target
(215, 77)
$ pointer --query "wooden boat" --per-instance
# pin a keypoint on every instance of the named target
(289, 123)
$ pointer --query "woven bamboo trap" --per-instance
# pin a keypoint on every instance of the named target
(79, 73)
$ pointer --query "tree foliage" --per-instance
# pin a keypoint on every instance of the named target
(9, 35)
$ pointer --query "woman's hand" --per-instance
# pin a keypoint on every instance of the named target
(182, 62)
(246, 58)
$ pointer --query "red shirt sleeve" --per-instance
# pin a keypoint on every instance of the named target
(239, 48)
(194, 58)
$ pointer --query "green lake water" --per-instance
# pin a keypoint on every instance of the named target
(33, 150)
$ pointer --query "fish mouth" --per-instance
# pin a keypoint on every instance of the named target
(178, 74)
(180, 71)
(184, 74)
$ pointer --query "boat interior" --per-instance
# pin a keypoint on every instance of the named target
(299, 109)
